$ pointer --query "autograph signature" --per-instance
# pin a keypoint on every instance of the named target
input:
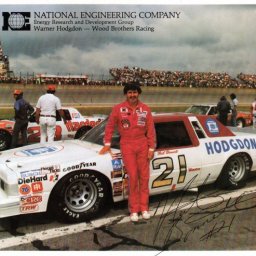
(183, 219)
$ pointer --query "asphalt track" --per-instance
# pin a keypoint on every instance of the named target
(109, 95)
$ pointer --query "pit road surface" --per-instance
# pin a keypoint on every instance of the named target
(207, 219)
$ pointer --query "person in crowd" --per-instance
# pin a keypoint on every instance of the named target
(134, 122)
(22, 109)
(253, 112)
(234, 104)
(223, 108)
(46, 108)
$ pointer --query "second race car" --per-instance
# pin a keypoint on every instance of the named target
(243, 119)
(76, 126)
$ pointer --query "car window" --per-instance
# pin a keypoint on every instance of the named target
(202, 110)
(67, 114)
(96, 135)
(198, 130)
(172, 134)
(212, 111)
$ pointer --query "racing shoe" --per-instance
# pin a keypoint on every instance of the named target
(145, 215)
(134, 217)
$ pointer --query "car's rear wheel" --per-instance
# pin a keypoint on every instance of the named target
(240, 123)
(5, 140)
(83, 130)
(235, 171)
(79, 196)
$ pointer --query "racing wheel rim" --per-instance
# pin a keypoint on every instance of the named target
(237, 169)
(81, 195)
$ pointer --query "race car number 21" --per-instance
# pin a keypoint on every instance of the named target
(164, 179)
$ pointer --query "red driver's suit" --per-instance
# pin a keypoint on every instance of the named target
(137, 131)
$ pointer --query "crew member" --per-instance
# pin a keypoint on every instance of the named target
(46, 108)
(234, 104)
(136, 127)
(22, 110)
(223, 108)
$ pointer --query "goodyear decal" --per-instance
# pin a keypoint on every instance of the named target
(218, 147)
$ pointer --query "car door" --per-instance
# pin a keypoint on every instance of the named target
(176, 164)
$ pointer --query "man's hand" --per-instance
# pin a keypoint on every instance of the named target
(105, 150)
(151, 154)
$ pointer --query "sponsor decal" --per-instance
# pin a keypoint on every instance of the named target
(24, 189)
(125, 123)
(117, 164)
(118, 188)
(53, 177)
(37, 187)
(78, 166)
(75, 115)
(30, 173)
(30, 200)
(32, 179)
(212, 126)
(116, 174)
(50, 169)
(39, 151)
(124, 110)
(29, 208)
(222, 146)
(194, 169)
(42, 171)
(74, 126)
(141, 117)
(163, 152)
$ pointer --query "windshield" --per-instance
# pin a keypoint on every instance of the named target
(201, 110)
(96, 135)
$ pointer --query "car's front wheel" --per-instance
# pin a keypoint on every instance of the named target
(79, 196)
(235, 171)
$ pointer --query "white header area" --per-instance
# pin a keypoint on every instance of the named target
(133, 2)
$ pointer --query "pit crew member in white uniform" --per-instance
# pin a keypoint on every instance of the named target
(46, 108)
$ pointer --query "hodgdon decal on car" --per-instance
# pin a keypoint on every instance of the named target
(226, 145)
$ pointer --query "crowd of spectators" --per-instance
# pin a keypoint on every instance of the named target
(181, 79)
(147, 78)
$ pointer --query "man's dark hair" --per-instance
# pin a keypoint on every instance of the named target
(232, 96)
(132, 87)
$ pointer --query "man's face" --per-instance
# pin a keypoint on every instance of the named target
(132, 97)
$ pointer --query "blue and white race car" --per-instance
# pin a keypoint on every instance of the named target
(71, 179)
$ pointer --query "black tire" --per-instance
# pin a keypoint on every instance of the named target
(79, 196)
(83, 130)
(5, 140)
(235, 172)
(240, 123)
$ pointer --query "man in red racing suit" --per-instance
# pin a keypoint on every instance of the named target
(136, 127)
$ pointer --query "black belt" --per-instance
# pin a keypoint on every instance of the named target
(48, 116)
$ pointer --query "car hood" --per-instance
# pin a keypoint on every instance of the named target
(54, 153)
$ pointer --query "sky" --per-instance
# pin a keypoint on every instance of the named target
(202, 38)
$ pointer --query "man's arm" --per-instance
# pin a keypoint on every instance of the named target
(112, 121)
(61, 112)
(38, 110)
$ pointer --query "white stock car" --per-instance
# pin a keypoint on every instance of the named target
(73, 181)
(76, 126)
